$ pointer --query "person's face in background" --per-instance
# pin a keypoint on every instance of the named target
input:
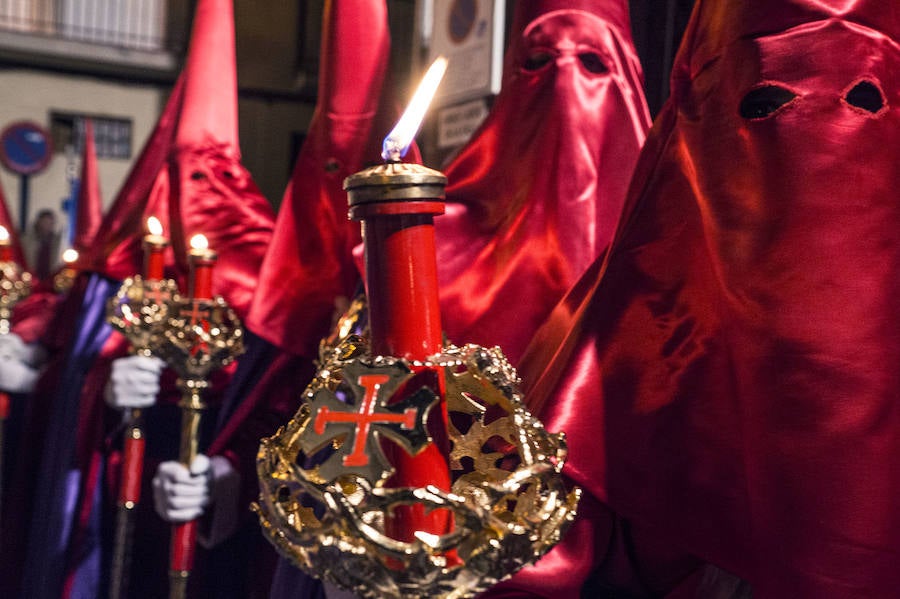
(45, 225)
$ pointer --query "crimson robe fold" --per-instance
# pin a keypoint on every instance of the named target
(726, 375)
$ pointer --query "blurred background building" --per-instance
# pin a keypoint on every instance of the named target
(114, 61)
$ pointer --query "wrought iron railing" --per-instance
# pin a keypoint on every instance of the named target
(133, 24)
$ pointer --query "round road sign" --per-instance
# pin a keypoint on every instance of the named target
(25, 148)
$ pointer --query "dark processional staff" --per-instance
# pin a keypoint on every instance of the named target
(413, 468)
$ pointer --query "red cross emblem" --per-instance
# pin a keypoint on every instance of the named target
(197, 311)
(364, 417)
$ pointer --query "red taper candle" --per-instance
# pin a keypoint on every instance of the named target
(396, 203)
(201, 260)
(154, 251)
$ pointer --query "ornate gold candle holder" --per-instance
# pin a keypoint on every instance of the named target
(198, 336)
(139, 309)
(508, 499)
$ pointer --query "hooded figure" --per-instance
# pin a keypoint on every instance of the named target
(535, 196)
(190, 177)
(308, 269)
(21, 354)
(727, 375)
(309, 265)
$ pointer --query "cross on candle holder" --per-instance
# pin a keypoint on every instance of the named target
(139, 308)
(369, 417)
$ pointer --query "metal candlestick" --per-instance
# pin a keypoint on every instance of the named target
(138, 311)
(198, 336)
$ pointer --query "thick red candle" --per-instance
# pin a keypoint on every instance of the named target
(154, 251)
(201, 259)
(396, 204)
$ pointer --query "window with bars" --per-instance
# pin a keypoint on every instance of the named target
(133, 24)
(112, 135)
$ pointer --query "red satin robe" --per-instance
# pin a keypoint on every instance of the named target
(727, 375)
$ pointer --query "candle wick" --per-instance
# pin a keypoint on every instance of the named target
(392, 151)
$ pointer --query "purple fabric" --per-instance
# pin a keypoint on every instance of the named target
(58, 482)
(87, 578)
(291, 583)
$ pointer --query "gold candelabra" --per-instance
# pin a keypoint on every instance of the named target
(194, 337)
(508, 500)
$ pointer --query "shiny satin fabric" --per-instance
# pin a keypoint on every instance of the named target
(309, 263)
(117, 249)
(727, 375)
(213, 194)
(537, 193)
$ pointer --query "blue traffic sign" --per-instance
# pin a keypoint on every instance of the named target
(25, 148)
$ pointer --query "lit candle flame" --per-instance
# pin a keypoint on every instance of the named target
(70, 255)
(199, 242)
(401, 137)
(154, 226)
(4, 233)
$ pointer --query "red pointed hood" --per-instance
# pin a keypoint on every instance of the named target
(737, 351)
(90, 204)
(7, 222)
(117, 248)
(209, 111)
(211, 191)
(536, 194)
(309, 263)
(190, 175)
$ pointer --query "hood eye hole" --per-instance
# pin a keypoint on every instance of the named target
(762, 102)
(592, 62)
(197, 176)
(867, 96)
(228, 174)
(537, 61)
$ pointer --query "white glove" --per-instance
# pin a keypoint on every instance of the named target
(179, 494)
(134, 382)
(212, 484)
(12, 347)
(16, 376)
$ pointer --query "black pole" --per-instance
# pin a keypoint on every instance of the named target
(23, 202)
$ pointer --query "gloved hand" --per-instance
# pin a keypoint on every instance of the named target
(179, 494)
(16, 376)
(134, 382)
(211, 485)
(12, 347)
